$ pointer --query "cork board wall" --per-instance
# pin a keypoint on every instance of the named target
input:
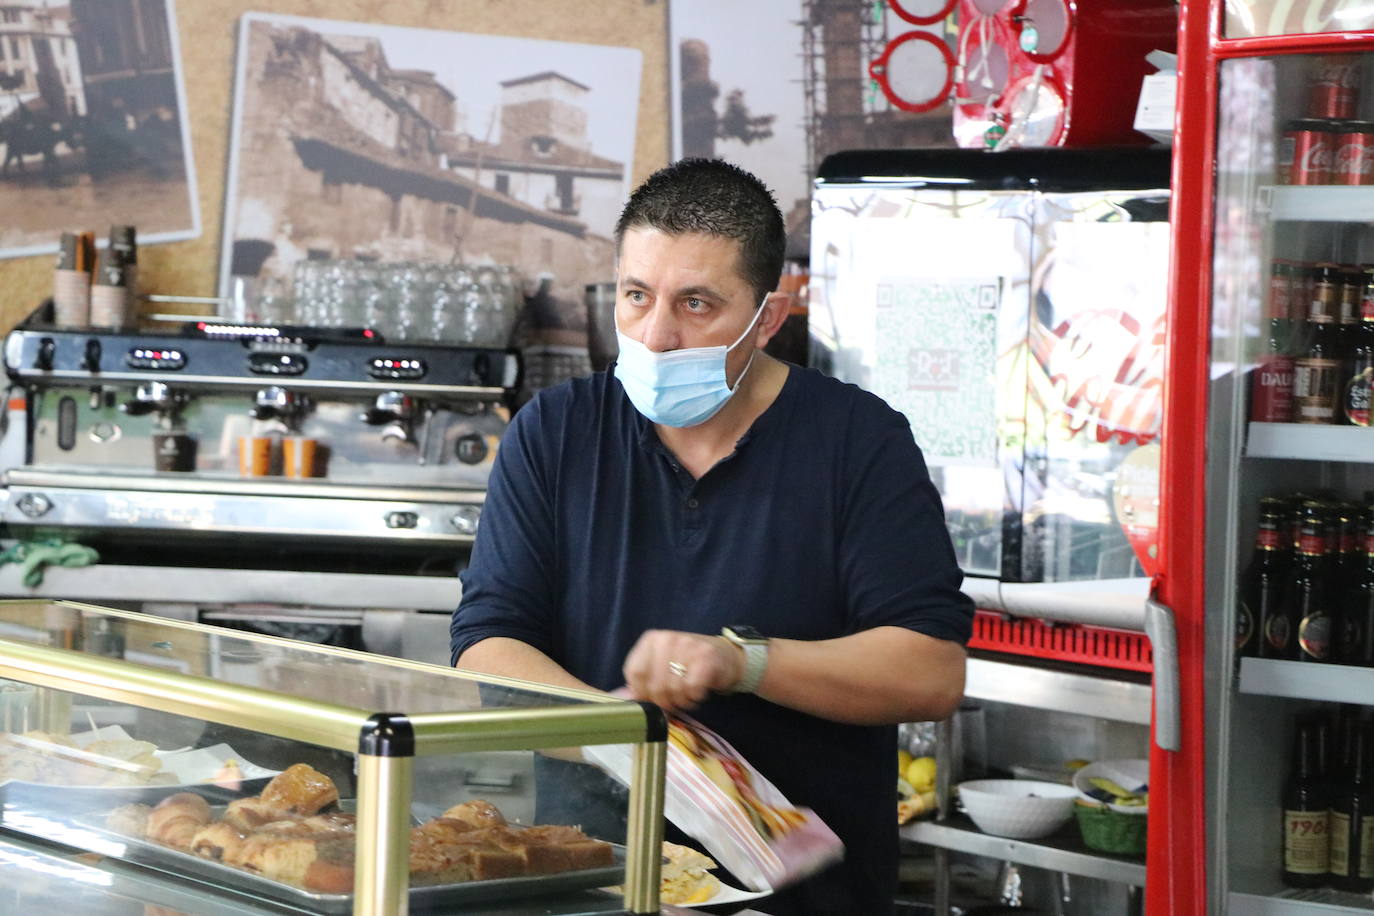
(207, 32)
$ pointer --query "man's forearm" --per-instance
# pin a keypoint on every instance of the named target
(507, 657)
(879, 676)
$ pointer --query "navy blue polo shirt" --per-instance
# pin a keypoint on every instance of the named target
(823, 522)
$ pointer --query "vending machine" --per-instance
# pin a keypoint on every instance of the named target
(1268, 464)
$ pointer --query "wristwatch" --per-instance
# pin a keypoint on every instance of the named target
(755, 646)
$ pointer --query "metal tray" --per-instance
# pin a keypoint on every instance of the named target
(180, 864)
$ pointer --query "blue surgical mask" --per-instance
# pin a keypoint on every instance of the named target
(678, 388)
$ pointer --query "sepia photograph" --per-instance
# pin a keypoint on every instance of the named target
(93, 126)
(363, 143)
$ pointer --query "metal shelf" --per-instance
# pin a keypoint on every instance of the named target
(1300, 903)
(1310, 442)
(1307, 680)
(1062, 851)
(1320, 203)
(1061, 691)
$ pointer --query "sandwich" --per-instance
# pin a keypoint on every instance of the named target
(687, 879)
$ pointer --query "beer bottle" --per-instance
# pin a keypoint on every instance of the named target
(1352, 816)
(1356, 643)
(1261, 586)
(1306, 812)
(1308, 595)
(1359, 364)
(1317, 370)
(1271, 395)
(1346, 555)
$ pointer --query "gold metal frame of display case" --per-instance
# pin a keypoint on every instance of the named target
(386, 742)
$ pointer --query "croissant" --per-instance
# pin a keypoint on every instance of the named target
(217, 841)
(177, 819)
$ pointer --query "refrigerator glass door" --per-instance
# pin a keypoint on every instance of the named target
(920, 296)
(1021, 333)
(1294, 205)
(1096, 362)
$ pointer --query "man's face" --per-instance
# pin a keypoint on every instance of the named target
(680, 291)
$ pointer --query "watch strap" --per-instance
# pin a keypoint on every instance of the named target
(755, 664)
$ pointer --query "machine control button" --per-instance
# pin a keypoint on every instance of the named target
(47, 348)
(90, 360)
(158, 358)
(402, 519)
(466, 519)
(277, 363)
(471, 449)
(34, 504)
(389, 367)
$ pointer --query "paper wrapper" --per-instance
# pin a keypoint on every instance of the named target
(801, 846)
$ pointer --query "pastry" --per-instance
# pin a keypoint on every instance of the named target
(299, 789)
(177, 818)
(478, 813)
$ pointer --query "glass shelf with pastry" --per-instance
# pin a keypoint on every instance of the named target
(323, 779)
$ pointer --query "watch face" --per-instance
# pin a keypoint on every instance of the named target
(744, 631)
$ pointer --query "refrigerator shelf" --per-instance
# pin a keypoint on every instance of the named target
(1306, 680)
(1320, 203)
(1062, 691)
(1062, 851)
(1300, 903)
(1310, 442)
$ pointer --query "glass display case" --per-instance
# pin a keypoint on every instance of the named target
(256, 773)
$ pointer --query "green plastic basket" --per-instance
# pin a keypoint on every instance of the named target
(1111, 831)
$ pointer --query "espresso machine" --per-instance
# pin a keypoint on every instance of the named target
(167, 452)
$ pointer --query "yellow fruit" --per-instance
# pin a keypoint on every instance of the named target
(904, 759)
(921, 774)
(1076, 764)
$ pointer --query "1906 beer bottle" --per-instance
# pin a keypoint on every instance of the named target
(1352, 815)
(1306, 812)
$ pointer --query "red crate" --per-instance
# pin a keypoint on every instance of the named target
(1069, 642)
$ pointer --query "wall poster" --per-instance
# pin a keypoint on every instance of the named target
(372, 143)
(93, 126)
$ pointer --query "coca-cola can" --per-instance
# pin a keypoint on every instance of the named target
(1306, 151)
(1334, 89)
(1352, 158)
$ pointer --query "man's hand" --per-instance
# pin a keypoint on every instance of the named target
(677, 670)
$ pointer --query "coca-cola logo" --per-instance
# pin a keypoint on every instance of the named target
(1354, 158)
(1316, 158)
(1337, 74)
(1107, 368)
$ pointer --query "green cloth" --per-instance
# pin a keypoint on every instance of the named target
(34, 556)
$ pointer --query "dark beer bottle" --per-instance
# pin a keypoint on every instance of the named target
(1261, 586)
(1317, 370)
(1306, 812)
(1356, 643)
(1352, 816)
(1308, 595)
(1359, 365)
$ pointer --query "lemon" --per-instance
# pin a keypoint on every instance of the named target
(921, 773)
(904, 759)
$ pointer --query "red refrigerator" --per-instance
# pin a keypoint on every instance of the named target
(1270, 305)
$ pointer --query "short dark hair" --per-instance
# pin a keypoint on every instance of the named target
(715, 198)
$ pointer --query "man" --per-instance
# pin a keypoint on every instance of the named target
(702, 484)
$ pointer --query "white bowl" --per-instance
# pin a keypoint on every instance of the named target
(1129, 773)
(1019, 808)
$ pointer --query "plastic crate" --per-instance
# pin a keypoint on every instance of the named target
(1069, 642)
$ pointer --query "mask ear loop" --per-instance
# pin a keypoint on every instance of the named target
(747, 331)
